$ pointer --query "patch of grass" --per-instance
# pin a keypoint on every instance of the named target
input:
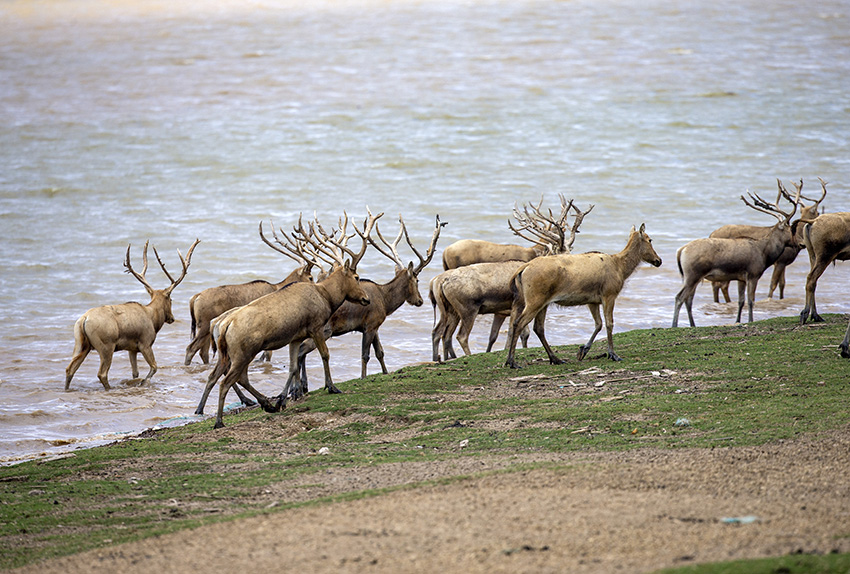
(796, 564)
(705, 387)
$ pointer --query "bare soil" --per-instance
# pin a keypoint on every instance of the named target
(636, 511)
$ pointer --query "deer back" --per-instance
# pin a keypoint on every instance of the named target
(471, 251)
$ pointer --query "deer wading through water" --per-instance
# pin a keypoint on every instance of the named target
(384, 299)
(738, 259)
(130, 327)
(777, 278)
(591, 279)
(285, 317)
(463, 293)
(212, 302)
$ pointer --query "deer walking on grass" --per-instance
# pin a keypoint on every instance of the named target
(287, 316)
(130, 327)
(592, 279)
(827, 240)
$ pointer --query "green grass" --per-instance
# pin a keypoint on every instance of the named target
(736, 385)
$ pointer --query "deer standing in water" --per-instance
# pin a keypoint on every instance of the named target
(739, 259)
(128, 327)
(777, 278)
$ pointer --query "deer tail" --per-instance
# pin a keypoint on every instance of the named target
(192, 315)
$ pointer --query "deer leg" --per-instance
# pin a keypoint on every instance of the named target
(305, 348)
(498, 319)
(742, 289)
(199, 343)
(105, 363)
(718, 287)
(365, 345)
(752, 284)
(686, 296)
(845, 344)
(134, 364)
(777, 279)
(609, 329)
(467, 321)
(810, 310)
(520, 318)
(597, 320)
(379, 352)
(323, 351)
(81, 351)
(147, 353)
(540, 331)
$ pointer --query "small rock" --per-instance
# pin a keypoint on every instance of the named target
(324, 450)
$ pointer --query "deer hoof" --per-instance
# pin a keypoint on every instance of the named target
(332, 390)
(614, 357)
(218, 425)
(845, 351)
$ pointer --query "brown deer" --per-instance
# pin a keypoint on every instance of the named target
(384, 299)
(739, 259)
(827, 240)
(591, 279)
(212, 302)
(128, 327)
(489, 280)
(287, 316)
(777, 279)
(544, 231)
(485, 288)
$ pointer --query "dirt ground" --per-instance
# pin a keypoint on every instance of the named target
(603, 512)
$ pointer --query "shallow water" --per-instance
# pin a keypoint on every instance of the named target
(125, 121)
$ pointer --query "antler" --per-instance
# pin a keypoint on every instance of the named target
(773, 209)
(544, 228)
(429, 253)
(334, 249)
(576, 223)
(140, 276)
(290, 246)
(184, 262)
(368, 224)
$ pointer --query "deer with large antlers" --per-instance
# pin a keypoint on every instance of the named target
(593, 279)
(463, 293)
(384, 299)
(212, 302)
(545, 232)
(734, 259)
(130, 327)
(287, 316)
(777, 279)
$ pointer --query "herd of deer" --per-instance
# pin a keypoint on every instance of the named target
(241, 321)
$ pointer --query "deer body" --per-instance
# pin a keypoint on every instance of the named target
(128, 327)
(591, 279)
(464, 293)
(827, 239)
(212, 302)
(469, 251)
(285, 317)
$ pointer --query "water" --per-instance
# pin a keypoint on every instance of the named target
(123, 121)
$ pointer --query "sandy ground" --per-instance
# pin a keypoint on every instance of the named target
(596, 512)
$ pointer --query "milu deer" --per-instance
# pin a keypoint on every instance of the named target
(130, 327)
(384, 299)
(287, 316)
(739, 259)
(485, 288)
(827, 240)
(482, 285)
(591, 279)
(545, 232)
(777, 279)
(212, 302)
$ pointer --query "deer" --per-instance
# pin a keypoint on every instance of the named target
(737, 259)
(287, 316)
(384, 298)
(484, 288)
(591, 279)
(546, 239)
(130, 327)
(212, 302)
(777, 279)
(827, 240)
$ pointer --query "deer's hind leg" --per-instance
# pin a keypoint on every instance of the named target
(597, 319)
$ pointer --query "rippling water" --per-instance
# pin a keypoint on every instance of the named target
(123, 121)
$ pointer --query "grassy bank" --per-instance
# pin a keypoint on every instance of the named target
(705, 387)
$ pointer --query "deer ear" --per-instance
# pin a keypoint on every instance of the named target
(347, 265)
(643, 227)
(410, 267)
(633, 229)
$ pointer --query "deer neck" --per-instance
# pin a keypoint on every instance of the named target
(156, 311)
(331, 290)
(629, 258)
(773, 244)
(395, 292)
